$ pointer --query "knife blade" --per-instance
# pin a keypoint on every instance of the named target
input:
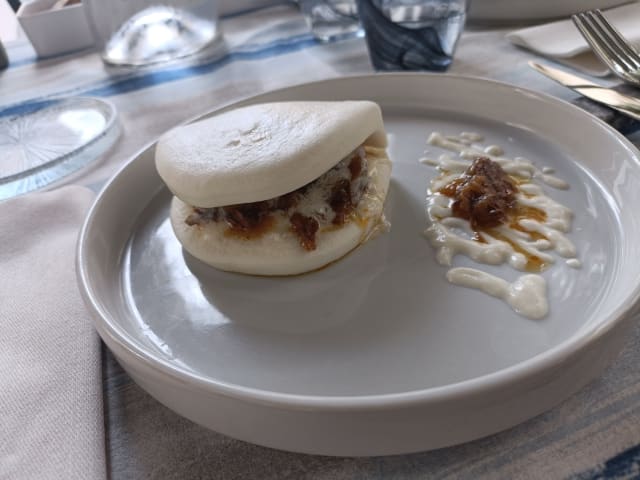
(625, 104)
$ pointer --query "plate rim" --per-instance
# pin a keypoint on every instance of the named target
(546, 360)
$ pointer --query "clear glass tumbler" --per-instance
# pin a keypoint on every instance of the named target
(412, 34)
(143, 32)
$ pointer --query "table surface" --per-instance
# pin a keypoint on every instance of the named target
(270, 48)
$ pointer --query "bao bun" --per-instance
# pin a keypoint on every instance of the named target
(261, 152)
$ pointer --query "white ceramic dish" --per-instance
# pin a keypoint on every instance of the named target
(376, 354)
(526, 11)
(54, 31)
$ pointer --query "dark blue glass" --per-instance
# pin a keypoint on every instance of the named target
(410, 35)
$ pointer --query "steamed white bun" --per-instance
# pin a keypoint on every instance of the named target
(263, 151)
(278, 252)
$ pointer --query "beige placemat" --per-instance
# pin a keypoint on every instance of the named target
(50, 371)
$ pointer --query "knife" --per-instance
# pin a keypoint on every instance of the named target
(625, 104)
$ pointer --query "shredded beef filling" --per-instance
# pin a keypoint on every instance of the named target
(305, 228)
(340, 201)
(200, 216)
(246, 216)
(342, 188)
(484, 195)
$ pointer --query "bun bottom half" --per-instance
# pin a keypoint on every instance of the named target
(277, 252)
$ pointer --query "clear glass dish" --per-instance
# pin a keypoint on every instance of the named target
(41, 147)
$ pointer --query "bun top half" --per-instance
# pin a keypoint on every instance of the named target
(263, 151)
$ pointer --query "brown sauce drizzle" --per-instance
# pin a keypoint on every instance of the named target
(534, 263)
(485, 195)
(521, 212)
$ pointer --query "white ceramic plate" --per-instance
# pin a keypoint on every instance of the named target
(376, 354)
(513, 11)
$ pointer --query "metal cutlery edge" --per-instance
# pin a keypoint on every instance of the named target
(625, 104)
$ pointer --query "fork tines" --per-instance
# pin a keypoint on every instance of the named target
(609, 45)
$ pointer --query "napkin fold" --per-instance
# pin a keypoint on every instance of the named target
(50, 372)
(563, 42)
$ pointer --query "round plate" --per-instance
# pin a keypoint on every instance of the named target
(377, 353)
(40, 147)
(513, 11)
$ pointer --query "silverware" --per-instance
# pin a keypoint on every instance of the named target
(623, 103)
(609, 45)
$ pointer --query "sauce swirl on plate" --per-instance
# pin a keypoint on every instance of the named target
(492, 209)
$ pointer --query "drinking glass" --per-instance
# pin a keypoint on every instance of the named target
(143, 32)
(332, 19)
(412, 34)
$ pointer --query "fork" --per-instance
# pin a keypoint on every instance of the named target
(609, 45)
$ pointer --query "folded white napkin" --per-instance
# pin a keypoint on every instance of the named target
(50, 375)
(563, 42)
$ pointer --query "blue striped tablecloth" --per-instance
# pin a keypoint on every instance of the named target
(594, 434)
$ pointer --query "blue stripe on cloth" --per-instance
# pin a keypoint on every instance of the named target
(33, 59)
(631, 129)
(629, 403)
(29, 107)
(141, 80)
(25, 61)
(625, 465)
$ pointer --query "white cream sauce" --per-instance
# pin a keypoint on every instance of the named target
(574, 263)
(526, 296)
(315, 201)
(494, 150)
(533, 238)
(466, 147)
